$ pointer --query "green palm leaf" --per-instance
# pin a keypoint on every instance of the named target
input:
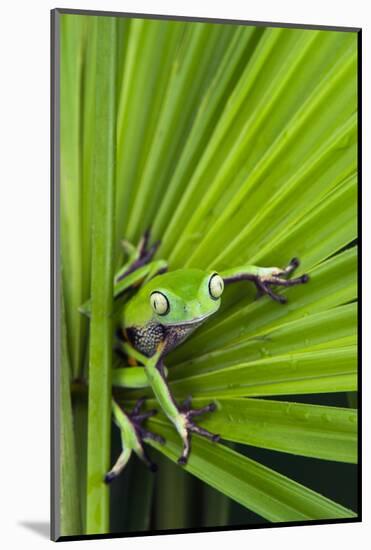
(329, 329)
(235, 144)
(269, 494)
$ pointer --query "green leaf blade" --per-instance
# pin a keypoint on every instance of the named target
(267, 493)
(100, 358)
(296, 373)
(327, 433)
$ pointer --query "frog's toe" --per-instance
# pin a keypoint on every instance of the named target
(109, 477)
(137, 416)
(290, 268)
(138, 405)
(205, 433)
(182, 461)
(118, 466)
(211, 407)
(147, 461)
(154, 437)
(277, 277)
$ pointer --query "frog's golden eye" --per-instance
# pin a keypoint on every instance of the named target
(216, 286)
(159, 302)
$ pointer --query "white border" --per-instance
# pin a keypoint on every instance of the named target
(24, 305)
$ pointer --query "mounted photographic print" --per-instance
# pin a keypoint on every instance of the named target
(204, 212)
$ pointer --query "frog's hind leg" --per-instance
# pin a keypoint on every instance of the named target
(180, 415)
(133, 436)
(139, 256)
(119, 465)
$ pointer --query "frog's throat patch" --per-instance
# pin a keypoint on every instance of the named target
(146, 339)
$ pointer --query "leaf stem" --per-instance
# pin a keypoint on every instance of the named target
(70, 520)
(100, 361)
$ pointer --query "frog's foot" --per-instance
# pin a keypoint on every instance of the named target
(275, 277)
(186, 427)
(133, 436)
(137, 418)
(142, 256)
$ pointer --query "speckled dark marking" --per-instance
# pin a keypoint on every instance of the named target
(146, 339)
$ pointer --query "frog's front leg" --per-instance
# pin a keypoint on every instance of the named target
(266, 277)
(180, 415)
(133, 435)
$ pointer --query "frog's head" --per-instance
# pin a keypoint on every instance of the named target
(185, 296)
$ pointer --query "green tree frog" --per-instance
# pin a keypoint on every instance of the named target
(164, 312)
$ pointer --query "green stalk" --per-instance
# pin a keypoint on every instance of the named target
(99, 414)
(70, 503)
(80, 419)
(72, 47)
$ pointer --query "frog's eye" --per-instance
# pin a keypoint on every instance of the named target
(159, 302)
(216, 286)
